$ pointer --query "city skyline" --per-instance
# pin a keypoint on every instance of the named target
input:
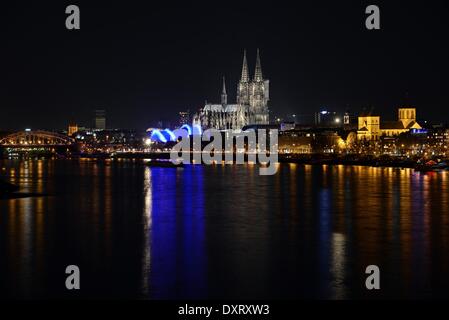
(208, 157)
(147, 64)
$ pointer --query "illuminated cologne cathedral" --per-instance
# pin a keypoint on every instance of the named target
(251, 106)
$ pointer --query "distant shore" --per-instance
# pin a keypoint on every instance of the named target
(381, 161)
(330, 159)
(311, 159)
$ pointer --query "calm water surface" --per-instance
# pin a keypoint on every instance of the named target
(223, 231)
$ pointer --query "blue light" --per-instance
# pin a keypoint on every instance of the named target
(419, 131)
(169, 135)
(197, 130)
(188, 128)
(157, 136)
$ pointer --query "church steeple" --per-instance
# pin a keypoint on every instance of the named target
(245, 76)
(224, 96)
(258, 73)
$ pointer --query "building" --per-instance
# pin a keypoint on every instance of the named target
(251, 106)
(184, 118)
(371, 128)
(110, 140)
(437, 138)
(100, 119)
(406, 122)
(73, 128)
(306, 140)
(287, 125)
(350, 121)
(368, 128)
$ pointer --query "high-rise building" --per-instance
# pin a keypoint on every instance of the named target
(100, 119)
(73, 128)
(184, 117)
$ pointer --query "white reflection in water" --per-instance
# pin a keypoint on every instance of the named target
(338, 265)
(147, 221)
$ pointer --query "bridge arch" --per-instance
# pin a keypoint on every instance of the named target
(36, 139)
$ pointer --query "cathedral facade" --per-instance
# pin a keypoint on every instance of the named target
(251, 106)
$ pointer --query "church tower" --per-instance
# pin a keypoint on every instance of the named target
(224, 96)
(251, 106)
(407, 116)
(258, 73)
(243, 86)
(259, 94)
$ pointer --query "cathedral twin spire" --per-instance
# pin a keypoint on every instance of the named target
(247, 88)
(258, 73)
(251, 106)
(245, 73)
(224, 96)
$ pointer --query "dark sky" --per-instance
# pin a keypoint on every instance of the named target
(143, 61)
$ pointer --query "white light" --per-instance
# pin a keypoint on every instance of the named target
(148, 142)
(27, 130)
(337, 120)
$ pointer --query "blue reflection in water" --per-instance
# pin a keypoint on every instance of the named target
(325, 236)
(194, 253)
(177, 233)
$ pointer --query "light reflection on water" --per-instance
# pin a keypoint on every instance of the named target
(223, 231)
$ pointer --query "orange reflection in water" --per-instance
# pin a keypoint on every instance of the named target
(391, 217)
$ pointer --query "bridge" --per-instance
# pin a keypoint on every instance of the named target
(35, 139)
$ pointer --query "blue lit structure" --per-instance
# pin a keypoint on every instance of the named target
(188, 128)
(169, 135)
(197, 130)
(157, 136)
(419, 131)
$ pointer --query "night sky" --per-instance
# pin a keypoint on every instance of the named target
(145, 62)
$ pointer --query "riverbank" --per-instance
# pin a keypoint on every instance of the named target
(312, 159)
(373, 161)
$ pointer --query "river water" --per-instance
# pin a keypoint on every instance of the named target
(222, 231)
